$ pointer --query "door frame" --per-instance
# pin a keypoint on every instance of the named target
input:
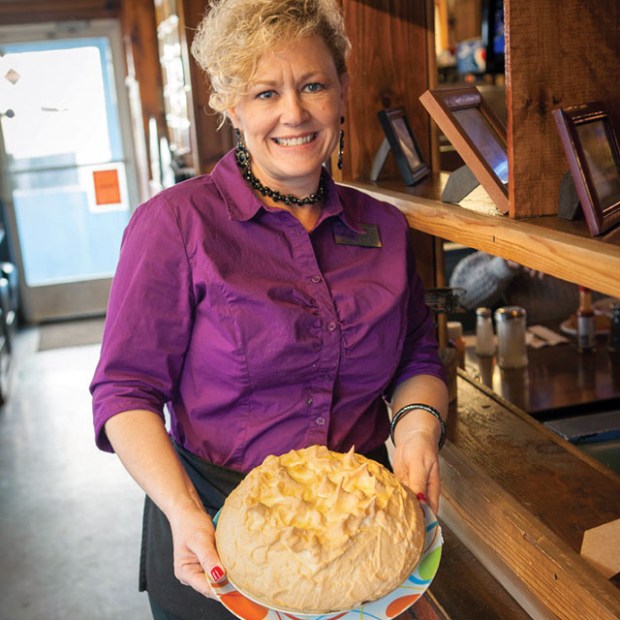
(87, 297)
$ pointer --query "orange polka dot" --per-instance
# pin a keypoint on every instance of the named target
(399, 605)
(240, 605)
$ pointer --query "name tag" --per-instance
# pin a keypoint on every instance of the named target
(369, 238)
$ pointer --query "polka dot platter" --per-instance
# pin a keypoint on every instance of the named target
(389, 606)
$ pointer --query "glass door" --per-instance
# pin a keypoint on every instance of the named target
(68, 169)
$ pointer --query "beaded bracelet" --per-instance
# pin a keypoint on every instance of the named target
(407, 408)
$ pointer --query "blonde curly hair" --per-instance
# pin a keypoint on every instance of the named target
(234, 34)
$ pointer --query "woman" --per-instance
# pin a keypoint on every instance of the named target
(266, 307)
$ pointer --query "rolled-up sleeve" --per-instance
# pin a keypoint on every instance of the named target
(143, 351)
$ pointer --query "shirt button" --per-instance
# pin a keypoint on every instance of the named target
(320, 421)
(315, 279)
(331, 326)
(309, 401)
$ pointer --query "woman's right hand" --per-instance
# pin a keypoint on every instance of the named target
(141, 441)
(196, 562)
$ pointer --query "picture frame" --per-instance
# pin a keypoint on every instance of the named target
(591, 148)
(404, 145)
(476, 133)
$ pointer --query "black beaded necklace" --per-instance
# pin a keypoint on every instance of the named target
(243, 161)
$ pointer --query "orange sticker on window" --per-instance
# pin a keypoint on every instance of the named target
(107, 187)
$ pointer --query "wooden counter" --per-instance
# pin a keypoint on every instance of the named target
(520, 498)
(464, 589)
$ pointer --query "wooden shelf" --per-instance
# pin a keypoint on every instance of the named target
(549, 244)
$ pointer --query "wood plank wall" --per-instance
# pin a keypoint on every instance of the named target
(389, 67)
(391, 64)
(558, 54)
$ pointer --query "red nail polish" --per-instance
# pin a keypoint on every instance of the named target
(216, 573)
(421, 497)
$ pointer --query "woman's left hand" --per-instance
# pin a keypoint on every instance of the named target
(416, 464)
(417, 434)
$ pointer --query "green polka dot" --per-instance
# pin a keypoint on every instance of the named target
(429, 565)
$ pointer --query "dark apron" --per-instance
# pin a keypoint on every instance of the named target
(213, 485)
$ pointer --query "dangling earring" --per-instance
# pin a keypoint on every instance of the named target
(241, 153)
(341, 145)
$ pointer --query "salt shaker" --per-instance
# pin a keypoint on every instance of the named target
(485, 338)
(511, 348)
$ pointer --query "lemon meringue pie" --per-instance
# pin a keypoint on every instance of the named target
(315, 531)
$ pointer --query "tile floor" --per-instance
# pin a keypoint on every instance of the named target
(70, 516)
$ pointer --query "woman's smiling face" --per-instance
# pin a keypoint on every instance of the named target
(290, 118)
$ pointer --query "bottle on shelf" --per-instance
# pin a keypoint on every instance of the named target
(586, 329)
(485, 337)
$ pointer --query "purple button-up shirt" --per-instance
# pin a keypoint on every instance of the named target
(258, 336)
